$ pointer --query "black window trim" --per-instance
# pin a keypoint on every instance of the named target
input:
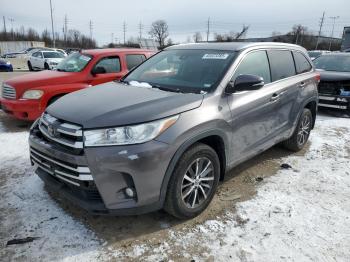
(295, 64)
(120, 64)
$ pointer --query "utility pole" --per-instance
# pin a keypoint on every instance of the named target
(331, 39)
(140, 31)
(4, 24)
(91, 27)
(112, 39)
(124, 30)
(208, 29)
(12, 32)
(53, 32)
(65, 28)
(319, 32)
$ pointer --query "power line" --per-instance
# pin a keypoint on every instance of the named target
(331, 39)
(124, 30)
(91, 27)
(53, 32)
(4, 24)
(319, 32)
(208, 29)
(65, 28)
(140, 30)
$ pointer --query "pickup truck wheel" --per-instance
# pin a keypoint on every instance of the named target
(193, 183)
(30, 66)
(301, 133)
(46, 66)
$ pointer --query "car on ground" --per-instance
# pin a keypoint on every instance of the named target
(169, 131)
(45, 60)
(334, 87)
(5, 66)
(11, 55)
(26, 97)
(316, 53)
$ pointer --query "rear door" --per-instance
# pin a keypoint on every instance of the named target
(133, 60)
(283, 74)
(253, 112)
(112, 70)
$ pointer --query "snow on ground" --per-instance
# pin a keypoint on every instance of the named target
(300, 214)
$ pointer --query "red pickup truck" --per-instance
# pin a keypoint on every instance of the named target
(26, 97)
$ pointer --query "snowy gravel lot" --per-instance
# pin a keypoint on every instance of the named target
(296, 214)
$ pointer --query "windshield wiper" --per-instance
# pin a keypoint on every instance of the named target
(61, 70)
(176, 90)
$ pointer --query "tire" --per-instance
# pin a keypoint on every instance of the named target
(46, 66)
(301, 133)
(30, 66)
(186, 199)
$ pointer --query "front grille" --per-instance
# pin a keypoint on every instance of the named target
(333, 87)
(65, 172)
(8, 92)
(67, 135)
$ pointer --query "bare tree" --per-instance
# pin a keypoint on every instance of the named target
(197, 37)
(243, 32)
(159, 30)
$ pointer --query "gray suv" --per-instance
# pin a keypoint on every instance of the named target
(166, 134)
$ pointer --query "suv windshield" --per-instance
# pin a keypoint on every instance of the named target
(339, 63)
(183, 70)
(53, 55)
(75, 62)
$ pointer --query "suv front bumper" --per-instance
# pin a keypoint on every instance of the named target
(113, 169)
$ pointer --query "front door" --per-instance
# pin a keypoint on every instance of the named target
(111, 68)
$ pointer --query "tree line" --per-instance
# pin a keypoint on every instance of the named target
(72, 39)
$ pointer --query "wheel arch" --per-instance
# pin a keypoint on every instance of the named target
(216, 139)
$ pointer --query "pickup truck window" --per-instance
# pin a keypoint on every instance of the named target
(110, 64)
(75, 62)
(134, 60)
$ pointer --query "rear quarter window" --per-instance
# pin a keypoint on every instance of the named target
(134, 60)
(281, 63)
(301, 63)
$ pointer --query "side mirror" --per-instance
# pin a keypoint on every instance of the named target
(98, 70)
(245, 83)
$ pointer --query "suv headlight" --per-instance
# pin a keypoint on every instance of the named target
(32, 94)
(127, 135)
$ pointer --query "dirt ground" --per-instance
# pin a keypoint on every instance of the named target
(125, 233)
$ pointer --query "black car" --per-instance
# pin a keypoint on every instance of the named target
(334, 87)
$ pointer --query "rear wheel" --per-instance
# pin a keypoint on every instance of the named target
(302, 132)
(193, 182)
(30, 66)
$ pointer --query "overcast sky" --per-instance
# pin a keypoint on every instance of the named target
(184, 17)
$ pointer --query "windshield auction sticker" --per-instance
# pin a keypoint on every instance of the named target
(215, 56)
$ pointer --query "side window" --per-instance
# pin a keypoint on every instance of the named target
(282, 64)
(36, 54)
(110, 64)
(255, 63)
(134, 60)
(301, 63)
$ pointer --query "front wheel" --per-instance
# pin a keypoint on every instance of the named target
(46, 66)
(302, 132)
(193, 182)
(30, 66)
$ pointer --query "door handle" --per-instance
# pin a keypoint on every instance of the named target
(274, 97)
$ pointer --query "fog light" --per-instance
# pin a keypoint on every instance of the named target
(130, 192)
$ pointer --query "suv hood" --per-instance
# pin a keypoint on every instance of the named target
(115, 104)
(329, 76)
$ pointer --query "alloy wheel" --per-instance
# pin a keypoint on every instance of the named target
(197, 182)
(304, 130)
